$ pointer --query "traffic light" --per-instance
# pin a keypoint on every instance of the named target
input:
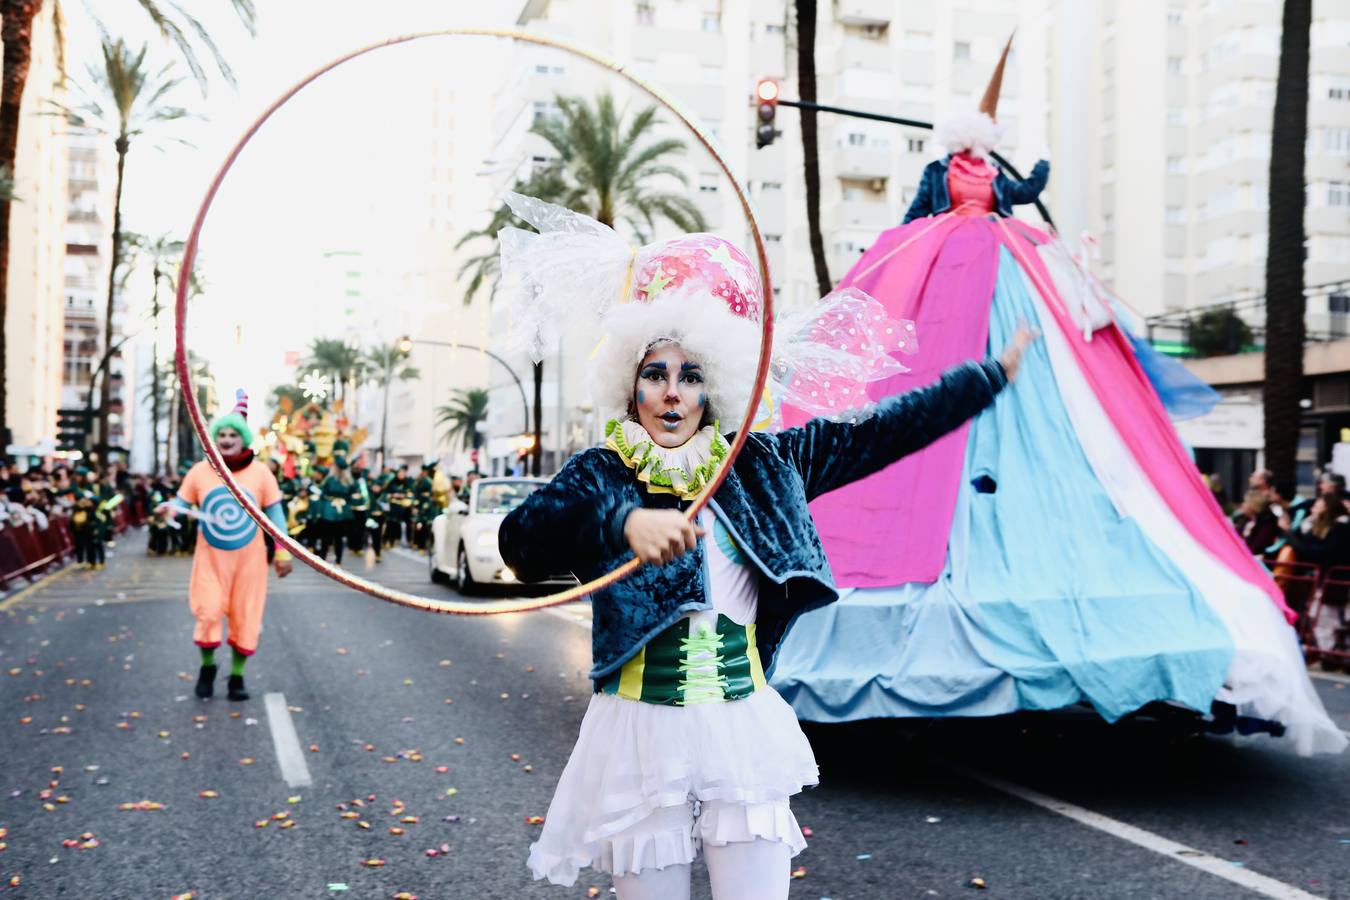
(72, 429)
(766, 94)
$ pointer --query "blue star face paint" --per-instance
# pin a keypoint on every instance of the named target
(702, 401)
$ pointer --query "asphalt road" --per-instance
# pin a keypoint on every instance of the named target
(421, 716)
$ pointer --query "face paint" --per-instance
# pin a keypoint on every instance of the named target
(670, 395)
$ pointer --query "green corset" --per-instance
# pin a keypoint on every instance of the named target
(677, 668)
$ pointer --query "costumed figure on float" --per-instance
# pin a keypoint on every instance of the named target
(1060, 548)
(684, 746)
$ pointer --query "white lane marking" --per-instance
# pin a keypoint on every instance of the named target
(1328, 676)
(1252, 881)
(286, 742)
(564, 612)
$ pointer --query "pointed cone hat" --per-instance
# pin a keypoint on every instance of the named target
(989, 102)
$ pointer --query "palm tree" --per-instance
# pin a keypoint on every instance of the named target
(485, 269)
(605, 170)
(159, 393)
(283, 392)
(1283, 387)
(16, 35)
(806, 89)
(385, 364)
(609, 165)
(343, 361)
(126, 100)
(162, 253)
(463, 414)
(175, 23)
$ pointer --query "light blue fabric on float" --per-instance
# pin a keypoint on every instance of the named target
(1048, 596)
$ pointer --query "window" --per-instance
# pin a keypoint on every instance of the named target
(1338, 141)
(771, 185)
(646, 12)
(961, 50)
(772, 28)
(1176, 115)
(874, 32)
(915, 145)
(1176, 215)
(712, 23)
(1174, 65)
(1174, 17)
(1338, 88)
(707, 182)
(1176, 165)
(916, 40)
(857, 139)
(1338, 193)
(773, 238)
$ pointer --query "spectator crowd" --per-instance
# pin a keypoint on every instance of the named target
(1275, 523)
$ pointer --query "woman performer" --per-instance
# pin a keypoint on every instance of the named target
(683, 744)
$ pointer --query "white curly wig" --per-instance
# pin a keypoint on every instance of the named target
(974, 131)
(726, 346)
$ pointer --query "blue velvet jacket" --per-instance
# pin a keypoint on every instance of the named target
(934, 197)
(575, 522)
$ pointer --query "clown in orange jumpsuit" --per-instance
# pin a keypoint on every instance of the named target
(229, 568)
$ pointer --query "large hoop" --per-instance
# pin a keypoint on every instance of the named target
(342, 576)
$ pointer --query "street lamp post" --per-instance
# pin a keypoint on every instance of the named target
(405, 346)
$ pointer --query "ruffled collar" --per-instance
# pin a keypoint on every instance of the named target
(969, 166)
(683, 471)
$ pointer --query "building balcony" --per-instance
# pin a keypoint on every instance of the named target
(864, 12)
(863, 162)
(874, 55)
(870, 215)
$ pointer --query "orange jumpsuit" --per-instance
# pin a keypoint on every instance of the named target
(229, 568)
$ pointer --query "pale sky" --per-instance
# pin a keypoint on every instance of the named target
(306, 182)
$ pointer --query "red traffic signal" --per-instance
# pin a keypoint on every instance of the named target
(766, 94)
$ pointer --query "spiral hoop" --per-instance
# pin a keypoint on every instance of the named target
(282, 538)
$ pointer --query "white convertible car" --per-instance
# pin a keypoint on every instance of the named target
(464, 537)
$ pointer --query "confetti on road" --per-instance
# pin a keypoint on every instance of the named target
(799, 872)
(534, 820)
(977, 883)
(141, 806)
(373, 863)
(209, 795)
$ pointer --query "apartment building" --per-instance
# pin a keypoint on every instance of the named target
(33, 322)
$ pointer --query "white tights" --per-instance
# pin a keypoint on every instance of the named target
(745, 870)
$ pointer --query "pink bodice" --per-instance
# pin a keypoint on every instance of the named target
(970, 180)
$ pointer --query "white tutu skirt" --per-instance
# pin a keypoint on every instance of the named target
(646, 784)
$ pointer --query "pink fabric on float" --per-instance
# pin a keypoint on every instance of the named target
(1123, 389)
(892, 527)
